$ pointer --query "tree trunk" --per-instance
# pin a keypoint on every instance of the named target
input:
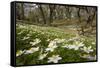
(51, 7)
(42, 13)
(22, 11)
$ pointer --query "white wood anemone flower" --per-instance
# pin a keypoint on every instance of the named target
(52, 45)
(32, 50)
(48, 40)
(54, 59)
(36, 41)
(59, 40)
(20, 32)
(74, 46)
(87, 49)
(65, 46)
(25, 38)
(89, 57)
(22, 26)
(80, 44)
(42, 56)
(93, 43)
(20, 52)
(74, 38)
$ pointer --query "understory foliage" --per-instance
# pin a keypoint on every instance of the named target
(43, 45)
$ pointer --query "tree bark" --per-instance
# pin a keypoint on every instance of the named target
(51, 7)
(42, 13)
(22, 11)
